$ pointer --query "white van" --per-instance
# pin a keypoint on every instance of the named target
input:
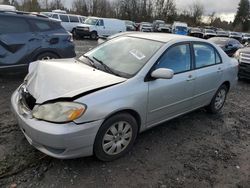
(68, 21)
(100, 27)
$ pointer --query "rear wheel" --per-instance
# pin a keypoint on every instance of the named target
(47, 56)
(218, 100)
(115, 137)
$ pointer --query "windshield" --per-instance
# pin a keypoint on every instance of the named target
(247, 35)
(147, 25)
(91, 21)
(162, 25)
(222, 32)
(129, 23)
(196, 30)
(124, 56)
(181, 28)
(209, 31)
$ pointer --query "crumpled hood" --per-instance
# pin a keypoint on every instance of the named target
(65, 78)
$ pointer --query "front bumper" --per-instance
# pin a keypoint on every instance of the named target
(80, 32)
(63, 141)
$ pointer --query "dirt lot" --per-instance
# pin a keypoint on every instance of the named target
(196, 150)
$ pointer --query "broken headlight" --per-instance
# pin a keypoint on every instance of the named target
(60, 112)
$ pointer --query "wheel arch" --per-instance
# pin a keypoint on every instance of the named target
(227, 84)
(131, 112)
(45, 51)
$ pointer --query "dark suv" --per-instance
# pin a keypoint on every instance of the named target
(26, 37)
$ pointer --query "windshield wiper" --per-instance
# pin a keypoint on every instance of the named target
(91, 62)
(106, 67)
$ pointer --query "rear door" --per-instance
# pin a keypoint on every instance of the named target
(209, 73)
(169, 98)
(15, 37)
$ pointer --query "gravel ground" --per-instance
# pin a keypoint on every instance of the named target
(195, 150)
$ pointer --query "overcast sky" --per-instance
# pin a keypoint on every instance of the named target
(224, 8)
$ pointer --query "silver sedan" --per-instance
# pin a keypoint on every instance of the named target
(97, 104)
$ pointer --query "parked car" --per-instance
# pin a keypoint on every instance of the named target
(180, 28)
(146, 27)
(222, 34)
(26, 37)
(130, 26)
(68, 21)
(236, 35)
(246, 38)
(111, 94)
(209, 33)
(100, 27)
(229, 45)
(156, 24)
(164, 28)
(196, 32)
(243, 56)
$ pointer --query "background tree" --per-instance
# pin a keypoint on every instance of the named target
(243, 15)
(196, 12)
(80, 7)
(6, 2)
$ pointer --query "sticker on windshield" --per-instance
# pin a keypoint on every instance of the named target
(137, 54)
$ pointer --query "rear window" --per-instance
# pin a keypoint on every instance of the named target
(73, 19)
(10, 25)
(42, 25)
(64, 18)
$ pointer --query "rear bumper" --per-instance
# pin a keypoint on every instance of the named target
(68, 52)
(62, 141)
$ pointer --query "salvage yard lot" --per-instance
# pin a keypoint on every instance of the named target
(195, 150)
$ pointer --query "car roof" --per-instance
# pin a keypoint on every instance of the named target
(162, 37)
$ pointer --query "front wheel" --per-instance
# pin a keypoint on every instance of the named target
(94, 35)
(218, 100)
(115, 137)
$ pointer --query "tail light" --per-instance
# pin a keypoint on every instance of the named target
(70, 37)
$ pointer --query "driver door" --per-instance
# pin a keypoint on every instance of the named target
(169, 98)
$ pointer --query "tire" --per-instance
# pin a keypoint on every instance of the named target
(218, 100)
(115, 137)
(47, 56)
(94, 35)
(75, 36)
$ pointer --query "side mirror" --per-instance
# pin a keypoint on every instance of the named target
(162, 73)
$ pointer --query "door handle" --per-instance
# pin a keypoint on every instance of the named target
(190, 78)
(219, 70)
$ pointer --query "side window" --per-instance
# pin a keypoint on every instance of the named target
(218, 58)
(9, 25)
(100, 23)
(64, 18)
(74, 19)
(177, 58)
(55, 16)
(41, 25)
(204, 55)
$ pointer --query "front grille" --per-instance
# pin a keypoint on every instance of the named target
(245, 58)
